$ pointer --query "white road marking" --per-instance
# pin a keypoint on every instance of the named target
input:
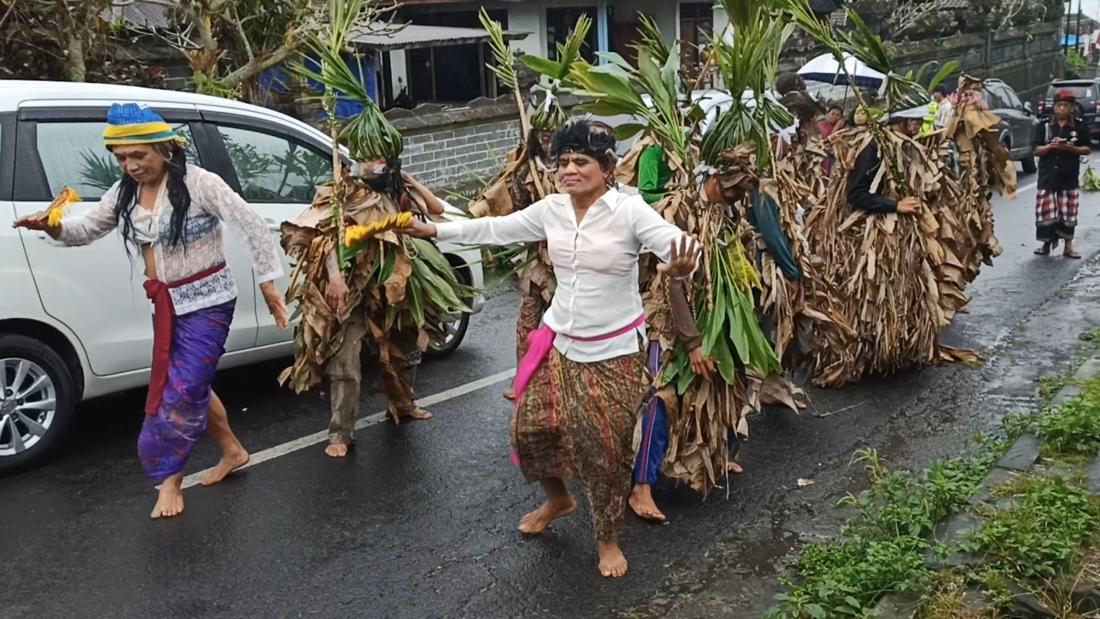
(319, 437)
(1026, 188)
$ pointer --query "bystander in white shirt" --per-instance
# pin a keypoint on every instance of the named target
(595, 262)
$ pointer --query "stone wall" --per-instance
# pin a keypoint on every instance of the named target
(448, 148)
(1025, 59)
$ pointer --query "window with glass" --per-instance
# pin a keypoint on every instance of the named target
(275, 169)
(73, 155)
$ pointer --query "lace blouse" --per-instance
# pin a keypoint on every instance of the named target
(200, 248)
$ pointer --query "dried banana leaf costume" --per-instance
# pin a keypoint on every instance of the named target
(900, 277)
(526, 179)
(387, 300)
(705, 417)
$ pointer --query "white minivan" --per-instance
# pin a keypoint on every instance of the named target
(74, 322)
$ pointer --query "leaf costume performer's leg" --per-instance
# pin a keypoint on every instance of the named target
(399, 353)
(345, 375)
(532, 307)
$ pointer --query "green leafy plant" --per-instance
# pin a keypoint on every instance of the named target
(730, 321)
(1075, 63)
(1074, 427)
(882, 548)
(1038, 537)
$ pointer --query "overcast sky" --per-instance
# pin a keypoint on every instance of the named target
(1088, 7)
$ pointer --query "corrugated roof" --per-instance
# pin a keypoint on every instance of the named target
(413, 36)
(140, 14)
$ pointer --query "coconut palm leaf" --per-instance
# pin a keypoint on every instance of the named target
(504, 66)
(748, 64)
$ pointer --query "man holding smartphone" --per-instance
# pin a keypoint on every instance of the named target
(1059, 144)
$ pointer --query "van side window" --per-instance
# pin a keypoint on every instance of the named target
(274, 169)
(73, 155)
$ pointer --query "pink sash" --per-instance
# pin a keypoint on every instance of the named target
(540, 341)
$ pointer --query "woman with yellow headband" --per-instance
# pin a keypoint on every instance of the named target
(173, 212)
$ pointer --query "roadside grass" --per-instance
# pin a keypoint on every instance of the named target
(1041, 538)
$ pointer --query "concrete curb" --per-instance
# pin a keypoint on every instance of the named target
(1020, 458)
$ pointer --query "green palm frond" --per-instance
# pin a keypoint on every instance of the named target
(748, 64)
(615, 88)
(369, 135)
(504, 66)
(568, 53)
(651, 39)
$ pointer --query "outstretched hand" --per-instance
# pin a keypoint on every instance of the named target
(418, 229)
(682, 258)
(39, 223)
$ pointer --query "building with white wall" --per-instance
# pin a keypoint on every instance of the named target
(451, 72)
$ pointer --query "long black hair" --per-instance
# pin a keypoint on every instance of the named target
(175, 166)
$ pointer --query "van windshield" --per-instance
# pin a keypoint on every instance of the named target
(1081, 91)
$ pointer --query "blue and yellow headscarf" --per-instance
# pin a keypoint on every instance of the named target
(130, 123)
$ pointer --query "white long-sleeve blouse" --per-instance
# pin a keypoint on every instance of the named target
(595, 262)
(200, 249)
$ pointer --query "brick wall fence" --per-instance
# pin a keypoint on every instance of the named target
(447, 148)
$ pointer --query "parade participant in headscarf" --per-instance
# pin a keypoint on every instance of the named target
(527, 178)
(1059, 145)
(580, 387)
(172, 212)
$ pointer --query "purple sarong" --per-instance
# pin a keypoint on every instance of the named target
(168, 437)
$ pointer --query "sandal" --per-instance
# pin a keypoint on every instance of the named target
(1071, 255)
(1043, 251)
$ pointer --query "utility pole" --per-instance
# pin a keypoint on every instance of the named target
(1077, 39)
(1065, 33)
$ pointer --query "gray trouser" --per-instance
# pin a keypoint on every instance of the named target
(345, 374)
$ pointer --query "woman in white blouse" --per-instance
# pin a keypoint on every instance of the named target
(580, 388)
(172, 212)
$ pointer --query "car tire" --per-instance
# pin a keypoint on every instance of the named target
(28, 435)
(442, 348)
(1029, 164)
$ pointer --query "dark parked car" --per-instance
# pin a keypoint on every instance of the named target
(1087, 92)
(1017, 121)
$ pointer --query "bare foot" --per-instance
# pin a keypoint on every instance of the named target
(170, 501)
(336, 450)
(612, 562)
(417, 414)
(734, 468)
(229, 463)
(510, 394)
(539, 520)
(641, 502)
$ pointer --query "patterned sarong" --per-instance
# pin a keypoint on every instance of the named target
(168, 437)
(1056, 214)
(576, 421)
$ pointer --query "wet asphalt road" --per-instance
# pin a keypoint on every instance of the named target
(420, 520)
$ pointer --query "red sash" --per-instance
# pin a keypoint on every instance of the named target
(164, 320)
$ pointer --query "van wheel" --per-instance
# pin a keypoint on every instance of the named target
(445, 344)
(37, 397)
(1029, 164)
